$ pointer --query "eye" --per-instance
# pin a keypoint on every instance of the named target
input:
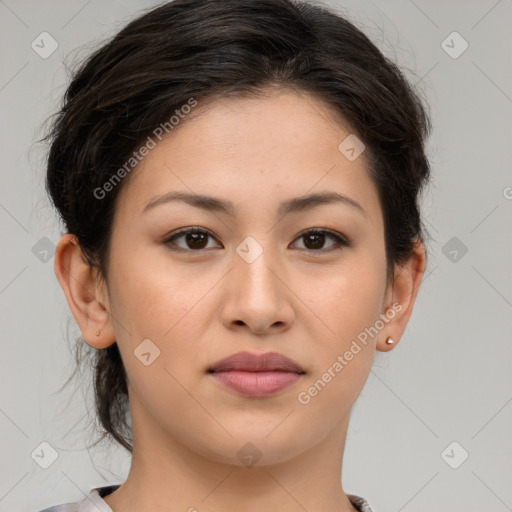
(193, 238)
(315, 239)
(196, 239)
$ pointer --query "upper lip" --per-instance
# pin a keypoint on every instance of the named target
(247, 361)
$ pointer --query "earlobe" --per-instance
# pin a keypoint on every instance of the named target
(401, 297)
(84, 293)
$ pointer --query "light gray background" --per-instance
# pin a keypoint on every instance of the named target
(448, 380)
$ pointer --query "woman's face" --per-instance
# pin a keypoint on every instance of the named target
(248, 279)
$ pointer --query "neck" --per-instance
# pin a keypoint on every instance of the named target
(168, 476)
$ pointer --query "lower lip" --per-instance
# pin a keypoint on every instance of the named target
(256, 384)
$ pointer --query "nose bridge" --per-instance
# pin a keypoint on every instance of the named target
(254, 267)
(257, 296)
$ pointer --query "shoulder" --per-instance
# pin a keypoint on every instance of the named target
(64, 507)
(359, 503)
(93, 502)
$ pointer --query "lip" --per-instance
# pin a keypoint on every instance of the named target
(256, 375)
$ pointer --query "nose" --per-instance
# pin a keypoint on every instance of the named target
(258, 296)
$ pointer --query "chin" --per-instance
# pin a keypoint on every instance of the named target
(253, 448)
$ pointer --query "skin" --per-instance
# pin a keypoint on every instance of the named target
(203, 305)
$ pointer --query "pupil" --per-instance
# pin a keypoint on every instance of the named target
(317, 238)
(196, 239)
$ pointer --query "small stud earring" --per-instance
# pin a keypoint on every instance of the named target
(390, 341)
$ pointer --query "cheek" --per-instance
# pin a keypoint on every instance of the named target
(170, 305)
(347, 306)
(150, 293)
(349, 299)
(342, 358)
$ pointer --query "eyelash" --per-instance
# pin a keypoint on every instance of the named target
(339, 240)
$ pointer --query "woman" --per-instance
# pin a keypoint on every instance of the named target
(239, 187)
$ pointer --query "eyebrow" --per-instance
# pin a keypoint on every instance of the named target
(297, 204)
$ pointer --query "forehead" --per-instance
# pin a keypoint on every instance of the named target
(256, 150)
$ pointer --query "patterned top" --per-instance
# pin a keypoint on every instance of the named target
(94, 502)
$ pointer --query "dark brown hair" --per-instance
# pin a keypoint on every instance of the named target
(204, 49)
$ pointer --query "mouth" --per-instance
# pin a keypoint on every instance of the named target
(256, 375)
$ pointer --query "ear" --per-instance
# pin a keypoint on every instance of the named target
(400, 297)
(86, 294)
